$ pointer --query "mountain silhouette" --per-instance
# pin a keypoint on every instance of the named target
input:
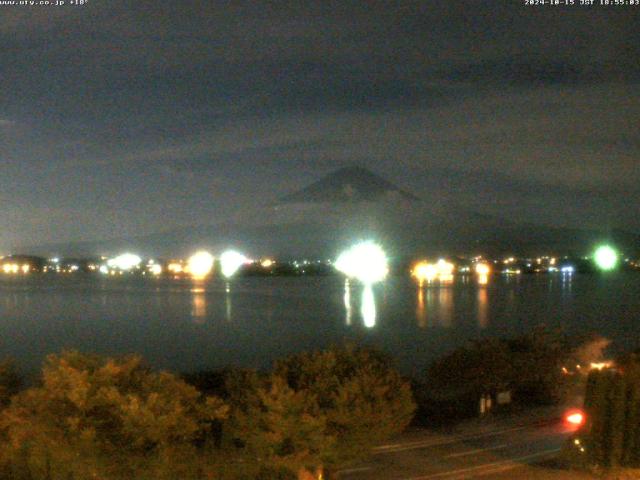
(352, 204)
(348, 184)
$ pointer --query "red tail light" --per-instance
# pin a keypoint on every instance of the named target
(575, 418)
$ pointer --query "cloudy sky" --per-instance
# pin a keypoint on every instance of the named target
(123, 118)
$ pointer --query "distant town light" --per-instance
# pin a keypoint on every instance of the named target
(175, 267)
(445, 269)
(600, 365)
(424, 271)
(200, 264)
(230, 262)
(126, 261)
(365, 261)
(10, 268)
(606, 257)
(155, 269)
(483, 269)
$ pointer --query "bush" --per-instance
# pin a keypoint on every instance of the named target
(10, 381)
(107, 418)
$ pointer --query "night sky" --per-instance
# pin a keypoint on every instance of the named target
(126, 118)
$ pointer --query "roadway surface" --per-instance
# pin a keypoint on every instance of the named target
(477, 450)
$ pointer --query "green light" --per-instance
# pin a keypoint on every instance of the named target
(606, 257)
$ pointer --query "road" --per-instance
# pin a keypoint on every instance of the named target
(486, 450)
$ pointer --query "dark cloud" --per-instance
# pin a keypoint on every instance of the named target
(138, 116)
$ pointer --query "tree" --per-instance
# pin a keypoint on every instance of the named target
(478, 368)
(282, 428)
(361, 397)
(612, 403)
(105, 417)
(537, 359)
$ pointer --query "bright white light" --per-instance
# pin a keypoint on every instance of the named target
(104, 269)
(567, 269)
(200, 264)
(606, 257)
(230, 262)
(365, 261)
(126, 261)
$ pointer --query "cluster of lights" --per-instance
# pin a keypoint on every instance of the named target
(425, 271)
(200, 265)
(124, 262)
(365, 262)
(16, 268)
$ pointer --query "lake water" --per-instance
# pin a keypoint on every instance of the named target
(184, 325)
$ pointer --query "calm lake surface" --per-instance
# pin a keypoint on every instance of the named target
(184, 326)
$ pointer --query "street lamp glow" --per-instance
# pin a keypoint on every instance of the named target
(200, 264)
(365, 261)
(606, 257)
(230, 262)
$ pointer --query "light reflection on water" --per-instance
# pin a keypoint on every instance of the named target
(252, 321)
(227, 300)
(198, 304)
(434, 304)
(347, 302)
(445, 306)
(421, 311)
(483, 307)
(368, 308)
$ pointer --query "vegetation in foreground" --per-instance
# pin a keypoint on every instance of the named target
(539, 368)
(313, 413)
(609, 442)
(115, 418)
